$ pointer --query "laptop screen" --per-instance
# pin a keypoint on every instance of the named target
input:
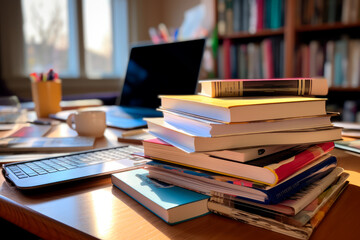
(153, 70)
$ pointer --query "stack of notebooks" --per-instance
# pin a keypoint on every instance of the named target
(259, 149)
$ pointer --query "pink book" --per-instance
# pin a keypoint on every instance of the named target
(260, 15)
(227, 64)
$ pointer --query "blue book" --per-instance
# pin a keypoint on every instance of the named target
(170, 203)
(214, 184)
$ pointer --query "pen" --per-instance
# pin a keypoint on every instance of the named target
(154, 36)
(164, 32)
(50, 75)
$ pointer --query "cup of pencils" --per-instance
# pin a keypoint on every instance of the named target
(46, 93)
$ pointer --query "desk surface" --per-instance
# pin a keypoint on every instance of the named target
(95, 209)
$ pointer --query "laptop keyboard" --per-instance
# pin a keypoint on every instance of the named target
(82, 159)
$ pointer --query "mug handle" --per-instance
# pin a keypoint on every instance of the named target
(69, 121)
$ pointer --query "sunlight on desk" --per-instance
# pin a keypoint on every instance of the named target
(102, 205)
(106, 222)
(354, 178)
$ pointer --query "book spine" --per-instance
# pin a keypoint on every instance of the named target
(258, 221)
(256, 210)
(285, 168)
(260, 15)
(307, 202)
(287, 188)
(221, 25)
(257, 87)
(227, 58)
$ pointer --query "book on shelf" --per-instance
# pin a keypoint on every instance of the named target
(243, 109)
(264, 87)
(214, 184)
(192, 143)
(315, 12)
(221, 24)
(336, 60)
(157, 147)
(203, 127)
(249, 16)
(267, 61)
(229, 16)
(171, 203)
(262, 59)
(46, 144)
(341, 62)
(269, 170)
(227, 58)
(299, 208)
(300, 232)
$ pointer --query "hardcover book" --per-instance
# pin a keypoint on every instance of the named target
(244, 109)
(264, 87)
(171, 203)
(211, 183)
(269, 170)
(192, 143)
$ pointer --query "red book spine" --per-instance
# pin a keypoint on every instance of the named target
(227, 63)
(294, 164)
(260, 15)
(269, 53)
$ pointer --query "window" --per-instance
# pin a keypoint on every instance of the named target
(77, 38)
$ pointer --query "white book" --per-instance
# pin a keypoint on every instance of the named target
(157, 148)
(191, 143)
(205, 127)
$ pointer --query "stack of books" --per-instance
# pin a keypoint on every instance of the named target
(264, 160)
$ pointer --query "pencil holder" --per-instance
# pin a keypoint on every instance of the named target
(46, 97)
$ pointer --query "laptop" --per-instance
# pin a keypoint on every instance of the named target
(153, 70)
(54, 170)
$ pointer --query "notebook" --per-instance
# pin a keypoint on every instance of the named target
(153, 70)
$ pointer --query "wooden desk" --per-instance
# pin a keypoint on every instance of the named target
(95, 209)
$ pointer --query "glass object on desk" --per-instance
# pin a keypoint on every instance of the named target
(10, 109)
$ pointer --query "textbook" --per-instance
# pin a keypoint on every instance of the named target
(211, 183)
(244, 109)
(171, 203)
(264, 87)
(192, 143)
(269, 170)
(209, 128)
(300, 232)
(158, 148)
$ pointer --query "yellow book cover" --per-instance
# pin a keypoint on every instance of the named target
(230, 102)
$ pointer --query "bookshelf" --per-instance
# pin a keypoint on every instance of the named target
(305, 30)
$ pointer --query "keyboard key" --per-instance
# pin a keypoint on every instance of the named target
(76, 160)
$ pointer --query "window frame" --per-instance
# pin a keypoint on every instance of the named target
(12, 50)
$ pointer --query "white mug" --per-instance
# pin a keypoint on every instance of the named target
(88, 123)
